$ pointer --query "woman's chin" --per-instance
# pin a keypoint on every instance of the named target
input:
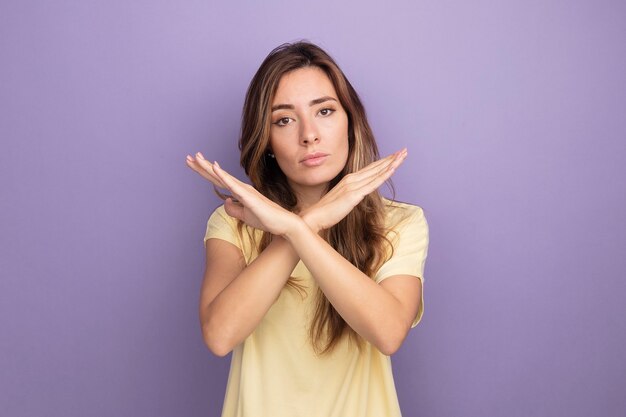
(312, 181)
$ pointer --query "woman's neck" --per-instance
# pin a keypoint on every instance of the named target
(308, 196)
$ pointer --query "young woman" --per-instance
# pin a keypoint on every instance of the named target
(313, 279)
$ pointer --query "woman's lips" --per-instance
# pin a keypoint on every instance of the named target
(314, 159)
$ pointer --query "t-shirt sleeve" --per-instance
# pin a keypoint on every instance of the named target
(221, 226)
(410, 249)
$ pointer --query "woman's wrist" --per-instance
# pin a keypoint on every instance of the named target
(297, 228)
(310, 221)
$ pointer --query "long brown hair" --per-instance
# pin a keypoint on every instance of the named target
(360, 236)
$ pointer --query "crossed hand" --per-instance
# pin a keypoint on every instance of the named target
(258, 211)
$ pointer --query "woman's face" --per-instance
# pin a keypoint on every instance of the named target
(309, 131)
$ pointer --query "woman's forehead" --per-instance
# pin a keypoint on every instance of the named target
(303, 84)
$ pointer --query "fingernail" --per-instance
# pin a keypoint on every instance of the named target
(189, 158)
(199, 155)
(218, 165)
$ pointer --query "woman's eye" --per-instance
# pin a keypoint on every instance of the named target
(326, 112)
(282, 121)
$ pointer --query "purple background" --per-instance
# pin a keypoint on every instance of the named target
(514, 116)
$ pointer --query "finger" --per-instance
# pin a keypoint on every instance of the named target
(376, 167)
(380, 176)
(399, 159)
(196, 166)
(392, 160)
(355, 180)
(237, 188)
(379, 180)
(205, 174)
(371, 170)
(375, 183)
(204, 168)
(395, 160)
(376, 164)
(248, 198)
(233, 209)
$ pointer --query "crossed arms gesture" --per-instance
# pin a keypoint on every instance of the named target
(236, 296)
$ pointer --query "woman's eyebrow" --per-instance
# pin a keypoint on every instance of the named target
(311, 103)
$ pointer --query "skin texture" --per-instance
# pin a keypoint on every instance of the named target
(298, 131)
(235, 297)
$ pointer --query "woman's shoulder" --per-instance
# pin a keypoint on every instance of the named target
(226, 227)
(401, 218)
(221, 211)
(399, 210)
(219, 215)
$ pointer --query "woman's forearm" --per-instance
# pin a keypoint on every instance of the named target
(371, 310)
(236, 311)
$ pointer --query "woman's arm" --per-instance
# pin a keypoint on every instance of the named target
(383, 313)
(234, 298)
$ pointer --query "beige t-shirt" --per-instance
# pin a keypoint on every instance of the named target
(276, 373)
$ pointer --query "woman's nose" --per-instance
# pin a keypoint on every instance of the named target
(308, 133)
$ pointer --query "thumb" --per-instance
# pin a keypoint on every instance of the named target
(233, 209)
